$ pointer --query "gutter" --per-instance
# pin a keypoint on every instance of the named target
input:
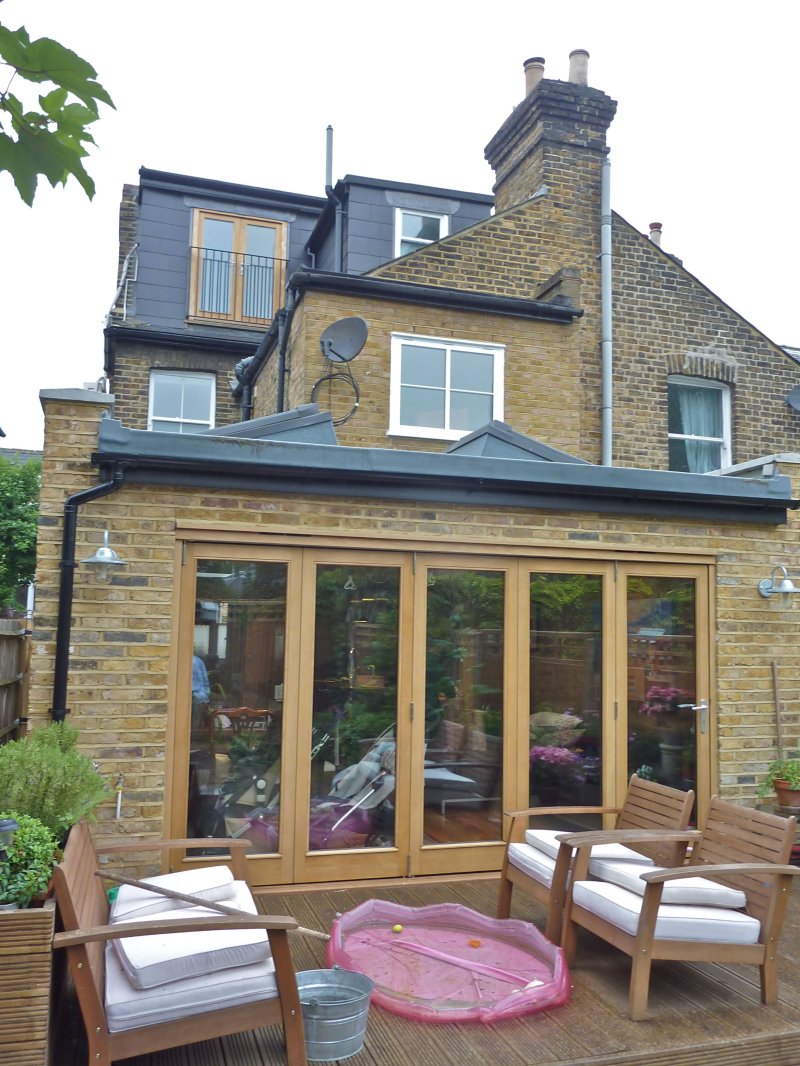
(59, 710)
(433, 295)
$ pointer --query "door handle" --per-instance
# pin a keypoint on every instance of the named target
(702, 707)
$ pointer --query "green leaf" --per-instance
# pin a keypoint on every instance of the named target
(20, 166)
(13, 46)
(53, 103)
(50, 141)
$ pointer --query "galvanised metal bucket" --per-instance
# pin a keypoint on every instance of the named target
(335, 1005)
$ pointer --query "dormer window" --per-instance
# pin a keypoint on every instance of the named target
(415, 229)
(699, 424)
(237, 268)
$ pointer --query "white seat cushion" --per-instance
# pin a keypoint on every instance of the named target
(159, 959)
(128, 1007)
(213, 883)
(533, 862)
(546, 840)
(699, 891)
(674, 922)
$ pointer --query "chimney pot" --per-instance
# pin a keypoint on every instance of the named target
(655, 233)
(534, 72)
(579, 66)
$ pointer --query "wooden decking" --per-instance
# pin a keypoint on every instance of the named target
(700, 1015)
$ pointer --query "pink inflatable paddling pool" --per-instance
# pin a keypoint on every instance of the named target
(448, 963)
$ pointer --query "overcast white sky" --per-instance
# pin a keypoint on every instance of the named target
(706, 137)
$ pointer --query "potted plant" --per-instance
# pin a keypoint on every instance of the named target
(783, 777)
(26, 865)
(45, 776)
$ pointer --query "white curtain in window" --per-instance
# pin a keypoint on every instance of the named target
(701, 417)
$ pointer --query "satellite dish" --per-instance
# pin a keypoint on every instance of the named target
(793, 399)
(343, 340)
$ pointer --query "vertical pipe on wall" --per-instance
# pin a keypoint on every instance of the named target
(606, 346)
(59, 710)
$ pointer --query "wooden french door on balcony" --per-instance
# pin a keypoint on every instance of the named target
(372, 713)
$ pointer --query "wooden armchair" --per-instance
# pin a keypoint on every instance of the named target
(733, 913)
(122, 1021)
(535, 862)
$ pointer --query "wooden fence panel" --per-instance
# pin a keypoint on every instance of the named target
(15, 645)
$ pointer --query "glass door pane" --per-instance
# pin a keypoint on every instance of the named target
(464, 664)
(258, 274)
(354, 715)
(217, 266)
(662, 679)
(237, 701)
(566, 689)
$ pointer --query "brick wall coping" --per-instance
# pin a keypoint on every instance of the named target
(76, 396)
(232, 463)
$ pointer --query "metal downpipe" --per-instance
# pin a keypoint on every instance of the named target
(606, 317)
(59, 710)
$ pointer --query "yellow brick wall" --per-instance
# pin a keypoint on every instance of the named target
(122, 634)
(130, 382)
(542, 386)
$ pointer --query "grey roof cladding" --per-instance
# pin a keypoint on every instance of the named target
(294, 466)
(306, 424)
(502, 442)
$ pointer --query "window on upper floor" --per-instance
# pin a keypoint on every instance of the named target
(181, 402)
(443, 389)
(699, 424)
(238, 268)
(415, 229)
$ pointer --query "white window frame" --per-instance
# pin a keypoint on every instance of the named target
(725, 399)
(397, 428)
(418, 242)
(155, 374)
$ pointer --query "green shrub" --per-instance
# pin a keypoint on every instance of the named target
(43, 775)
(29, 860)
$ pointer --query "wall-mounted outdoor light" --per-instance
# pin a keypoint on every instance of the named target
(778, 582)
(104, 560)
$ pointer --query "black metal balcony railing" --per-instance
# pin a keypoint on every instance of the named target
(235, 286)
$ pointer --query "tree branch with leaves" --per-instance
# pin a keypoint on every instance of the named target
(50, 139)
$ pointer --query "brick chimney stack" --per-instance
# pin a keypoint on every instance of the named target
(556, 137)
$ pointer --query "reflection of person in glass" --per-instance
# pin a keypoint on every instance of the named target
(201, 689)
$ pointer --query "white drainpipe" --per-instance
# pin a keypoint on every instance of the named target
(607, 399)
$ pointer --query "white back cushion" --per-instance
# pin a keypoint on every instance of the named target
(699, 891)
(545, 840)
(161, 958)
(213, 883)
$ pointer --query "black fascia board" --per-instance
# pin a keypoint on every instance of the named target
(285, 466)
(186, 183)
(421, 190)
(432, 295)
(169, 339)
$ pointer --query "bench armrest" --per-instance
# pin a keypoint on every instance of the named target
(122, 930)
(627, 836)
(702, 870)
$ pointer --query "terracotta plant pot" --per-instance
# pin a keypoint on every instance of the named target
(787, 796)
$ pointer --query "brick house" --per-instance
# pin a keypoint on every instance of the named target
(500, 545)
